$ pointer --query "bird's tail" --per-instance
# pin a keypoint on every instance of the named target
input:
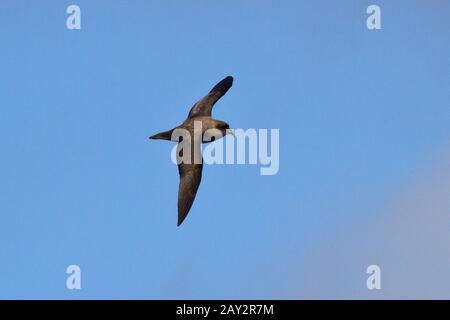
(166, 135)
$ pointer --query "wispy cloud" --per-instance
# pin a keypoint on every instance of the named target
(409, 240)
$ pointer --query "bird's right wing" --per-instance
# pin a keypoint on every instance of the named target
(190, 177)
(205, 105)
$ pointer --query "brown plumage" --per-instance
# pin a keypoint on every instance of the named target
(191, 172)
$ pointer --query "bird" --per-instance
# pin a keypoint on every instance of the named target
(191, 171)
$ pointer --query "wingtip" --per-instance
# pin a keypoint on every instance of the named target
(229, 80)
(180, 220)
(223, 85)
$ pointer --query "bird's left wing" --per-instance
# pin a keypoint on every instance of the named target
(205, 105)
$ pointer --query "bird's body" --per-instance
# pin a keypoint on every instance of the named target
(198, 122)
(190, 124)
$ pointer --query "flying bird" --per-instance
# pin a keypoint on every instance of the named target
(191, 173)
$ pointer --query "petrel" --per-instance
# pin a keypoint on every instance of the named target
(191, 173)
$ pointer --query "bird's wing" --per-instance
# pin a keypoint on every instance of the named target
(190, 177)
(205, 105)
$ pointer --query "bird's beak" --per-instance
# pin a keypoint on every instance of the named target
(230, 132)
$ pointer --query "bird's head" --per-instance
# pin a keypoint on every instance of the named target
(219, 130)
(224, 128)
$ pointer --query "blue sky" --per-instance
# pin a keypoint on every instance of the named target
(362, 115)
